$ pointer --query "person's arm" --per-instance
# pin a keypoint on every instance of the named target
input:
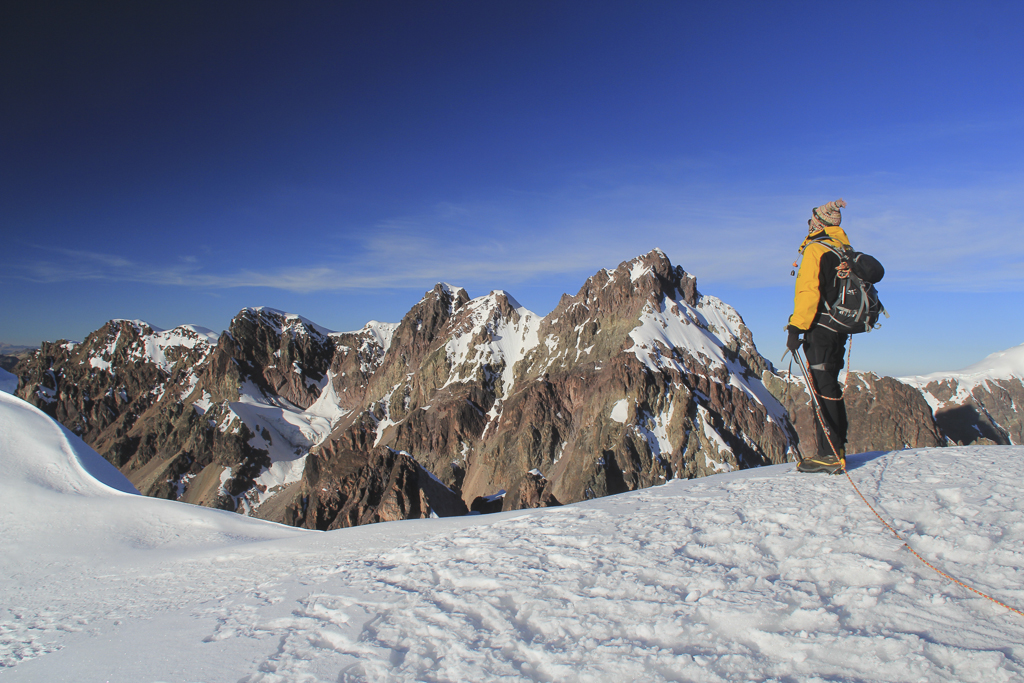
(808, 293)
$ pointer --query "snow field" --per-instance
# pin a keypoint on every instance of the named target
(761, 574)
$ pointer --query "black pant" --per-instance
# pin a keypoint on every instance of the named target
(824, 350)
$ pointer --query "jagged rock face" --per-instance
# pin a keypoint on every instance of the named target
(344, 486)
(985, 413)
(886, 414)
(535, 492)
(883, 413)
(357, 356)
(431, 396)
(635, 380)
(284, 355)
(417, 365)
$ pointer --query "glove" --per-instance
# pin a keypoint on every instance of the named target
(793, 342)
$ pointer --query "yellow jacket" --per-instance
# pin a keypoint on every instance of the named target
(807, 300)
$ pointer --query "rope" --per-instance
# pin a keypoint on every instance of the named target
(918, 555)
(817, 410)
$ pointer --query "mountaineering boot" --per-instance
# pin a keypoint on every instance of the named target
(827, 464)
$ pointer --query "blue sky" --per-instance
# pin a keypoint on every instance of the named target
(175, 162)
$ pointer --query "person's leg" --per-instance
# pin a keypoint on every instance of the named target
(824, 351)
(839, 419)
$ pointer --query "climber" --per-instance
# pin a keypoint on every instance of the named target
(816, 284)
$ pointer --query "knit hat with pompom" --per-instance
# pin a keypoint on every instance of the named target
(826, 216)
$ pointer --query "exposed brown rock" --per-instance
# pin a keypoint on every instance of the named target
(883, 413)
(886, 414)
(343, 487)
(988, 415)
(557, 417)
(534, 493)
(284, 355)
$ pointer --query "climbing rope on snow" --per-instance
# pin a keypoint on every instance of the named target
(918, 555)
(817, 411)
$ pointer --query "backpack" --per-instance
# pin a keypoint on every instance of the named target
(857, 307)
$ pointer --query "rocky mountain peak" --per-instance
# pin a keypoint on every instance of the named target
(114, 341)
(284, 323)
(633, 308)
(284, 354)
(624, 291)
(505, 305)
(429, 317)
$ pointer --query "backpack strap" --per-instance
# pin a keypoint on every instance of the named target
(826, 241)
(844, 258)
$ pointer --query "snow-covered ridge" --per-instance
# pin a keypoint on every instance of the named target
(450, 290)
(39, 452)
(153, 344)
(8, 382)
(283, 320)
(453, 292)
(376, 338)
(186, 336)
(506, 340)
(1006, 364)
(703, 331)
(381, 333)
(999, 366)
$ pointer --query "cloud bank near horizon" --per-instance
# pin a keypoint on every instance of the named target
(930, 239)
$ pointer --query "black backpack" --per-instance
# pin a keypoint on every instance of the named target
(856, 308)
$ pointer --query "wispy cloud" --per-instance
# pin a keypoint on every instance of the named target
(950, 239)
(71, 265)
(929, 238)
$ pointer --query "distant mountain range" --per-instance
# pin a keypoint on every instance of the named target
(11, 355)
(474, 404)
